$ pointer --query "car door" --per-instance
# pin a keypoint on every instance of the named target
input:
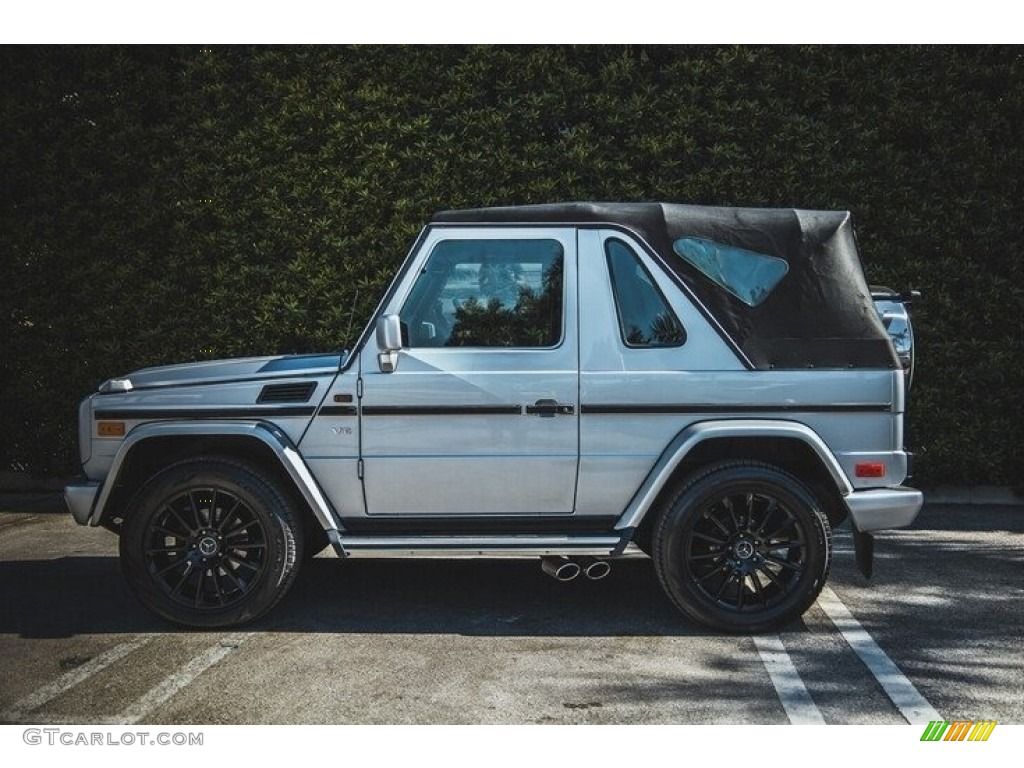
(480, 414)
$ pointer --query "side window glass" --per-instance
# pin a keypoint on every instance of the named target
(645, 318)
(487, 293)
(747, 275)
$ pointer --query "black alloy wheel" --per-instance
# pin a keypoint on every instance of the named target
(208, 542)
(205, 548)
(742, 547)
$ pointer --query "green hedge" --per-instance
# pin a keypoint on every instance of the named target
(169, 204)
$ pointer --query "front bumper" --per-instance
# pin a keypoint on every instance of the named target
(882, 508)
(80, 499)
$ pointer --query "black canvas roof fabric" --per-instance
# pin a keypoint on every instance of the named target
(820, 315)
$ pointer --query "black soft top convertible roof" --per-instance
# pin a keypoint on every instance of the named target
(820, 315)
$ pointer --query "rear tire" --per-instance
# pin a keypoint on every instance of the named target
(742, 547)
(209, 542)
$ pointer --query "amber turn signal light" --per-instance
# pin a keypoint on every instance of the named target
(110, 428)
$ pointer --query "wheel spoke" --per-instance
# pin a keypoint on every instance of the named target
(195, 510)
(771, 509)
(774, 579)
(726, 583)
(184, 577)
(198, 599)
(240, 562)
(727, 503)
(758, 589)
(775, 546)
(175, 564)
(783, 563)
(174, 513)
(712, 539)
(231, 513)
(718, 524)
(709, 574)
(168, 532)
(790, 522)
(739, 593)
(750, 511)
(217, 587)
(165, 550)
(711, 556)
(239, 584)
(239, 528)
(244, 547)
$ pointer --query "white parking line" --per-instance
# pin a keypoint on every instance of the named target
(72, 678)
(177, 680)
(911, 704)
(792, 692)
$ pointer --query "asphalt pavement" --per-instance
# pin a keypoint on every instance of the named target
(935, 634)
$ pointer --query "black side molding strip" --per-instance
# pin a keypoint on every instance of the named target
(442, 410)
(615, 408)
(338, 410)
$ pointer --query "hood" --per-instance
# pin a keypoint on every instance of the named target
(215, 371)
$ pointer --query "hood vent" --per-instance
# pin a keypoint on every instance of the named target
(287, 393)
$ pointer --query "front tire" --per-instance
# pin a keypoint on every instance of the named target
(209, 542)
(742, 547)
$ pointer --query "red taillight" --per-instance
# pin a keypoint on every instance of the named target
(870, 469)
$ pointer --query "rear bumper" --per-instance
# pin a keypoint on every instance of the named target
(882, 508)
(80, 499)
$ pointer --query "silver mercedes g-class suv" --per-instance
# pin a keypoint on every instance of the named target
(715, 387)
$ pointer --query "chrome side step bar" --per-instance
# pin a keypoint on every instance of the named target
(475, 546)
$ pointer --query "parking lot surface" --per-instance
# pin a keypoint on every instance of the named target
(935, 634)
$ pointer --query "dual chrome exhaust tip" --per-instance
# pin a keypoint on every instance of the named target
(567, 569)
